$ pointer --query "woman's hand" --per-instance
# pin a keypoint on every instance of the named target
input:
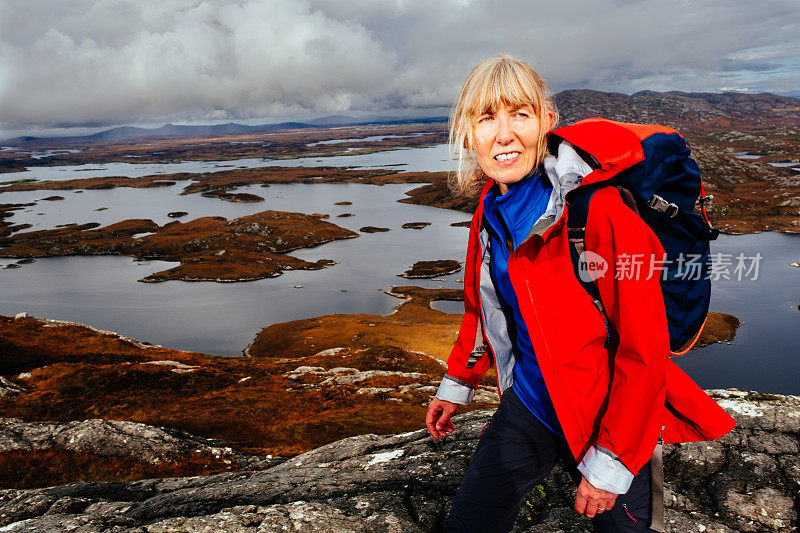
(438, 419)
(591, 501)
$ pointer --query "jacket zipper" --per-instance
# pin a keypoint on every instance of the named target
(557, 378)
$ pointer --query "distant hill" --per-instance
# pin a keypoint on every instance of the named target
(126, 133)
(343, 120)
(680, 109)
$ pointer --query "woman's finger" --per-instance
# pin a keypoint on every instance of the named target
(580, 504)
(434, 412)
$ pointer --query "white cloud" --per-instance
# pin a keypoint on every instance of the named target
(115, 61)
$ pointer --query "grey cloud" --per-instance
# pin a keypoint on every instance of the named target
(197, 60)
(105, 61)
(757, 66)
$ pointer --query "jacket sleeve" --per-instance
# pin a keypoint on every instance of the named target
(631, 293)
(458, 385)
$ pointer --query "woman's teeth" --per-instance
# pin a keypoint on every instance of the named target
(506, 157)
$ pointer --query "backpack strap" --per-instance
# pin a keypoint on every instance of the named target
(657, 487)
(577, 214)
(578, 211)
(666, 209)
(479, 347)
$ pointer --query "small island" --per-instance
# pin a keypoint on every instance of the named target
(431, 269)
(208, 248)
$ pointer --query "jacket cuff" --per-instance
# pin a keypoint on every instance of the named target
(455, 391)
(605, 471)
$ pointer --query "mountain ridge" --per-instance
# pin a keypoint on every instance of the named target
(126, 133)
(670, 107)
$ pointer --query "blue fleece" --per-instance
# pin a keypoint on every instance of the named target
(511, 216)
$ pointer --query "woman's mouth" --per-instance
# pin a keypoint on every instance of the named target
(506, 157)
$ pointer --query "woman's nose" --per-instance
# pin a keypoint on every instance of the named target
(504, 133)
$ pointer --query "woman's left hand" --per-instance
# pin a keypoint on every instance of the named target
(591, 501)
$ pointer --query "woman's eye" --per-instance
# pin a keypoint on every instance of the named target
(485, 118)
(522, 114)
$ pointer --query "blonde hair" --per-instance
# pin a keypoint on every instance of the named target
(500, 79)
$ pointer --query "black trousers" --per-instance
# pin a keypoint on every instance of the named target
(514, 454)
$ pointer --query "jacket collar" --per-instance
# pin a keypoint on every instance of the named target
(565, 170)
(586, 152)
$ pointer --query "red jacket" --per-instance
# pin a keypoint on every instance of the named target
(620, 403)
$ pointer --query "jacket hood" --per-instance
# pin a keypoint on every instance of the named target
(565, 170)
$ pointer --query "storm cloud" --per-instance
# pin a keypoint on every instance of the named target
(102, 62)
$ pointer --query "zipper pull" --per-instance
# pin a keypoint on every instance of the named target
(625, 506)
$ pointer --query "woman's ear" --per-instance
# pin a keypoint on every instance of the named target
(548, 120)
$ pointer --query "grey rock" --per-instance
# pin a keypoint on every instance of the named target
(693, 521)
(747, 481)
(772, 443)
(762, 509)
(9, 388)
(107, 437)
(300, 517)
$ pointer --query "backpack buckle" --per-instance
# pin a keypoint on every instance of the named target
(475, 355)
(662, 206)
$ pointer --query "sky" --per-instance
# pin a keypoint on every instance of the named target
(83, 65)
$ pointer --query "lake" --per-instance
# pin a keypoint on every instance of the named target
(433, 159)
(102, 291)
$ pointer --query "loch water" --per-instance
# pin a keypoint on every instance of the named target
(223, 318)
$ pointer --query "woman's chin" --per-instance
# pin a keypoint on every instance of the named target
(507, 178)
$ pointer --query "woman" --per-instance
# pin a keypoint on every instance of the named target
(564, 393)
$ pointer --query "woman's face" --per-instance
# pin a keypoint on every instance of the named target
(506, 143)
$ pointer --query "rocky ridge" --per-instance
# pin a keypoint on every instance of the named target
(107, 437)
(745, 481)
(701, 112)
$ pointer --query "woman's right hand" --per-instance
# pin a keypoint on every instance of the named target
(438, 419)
